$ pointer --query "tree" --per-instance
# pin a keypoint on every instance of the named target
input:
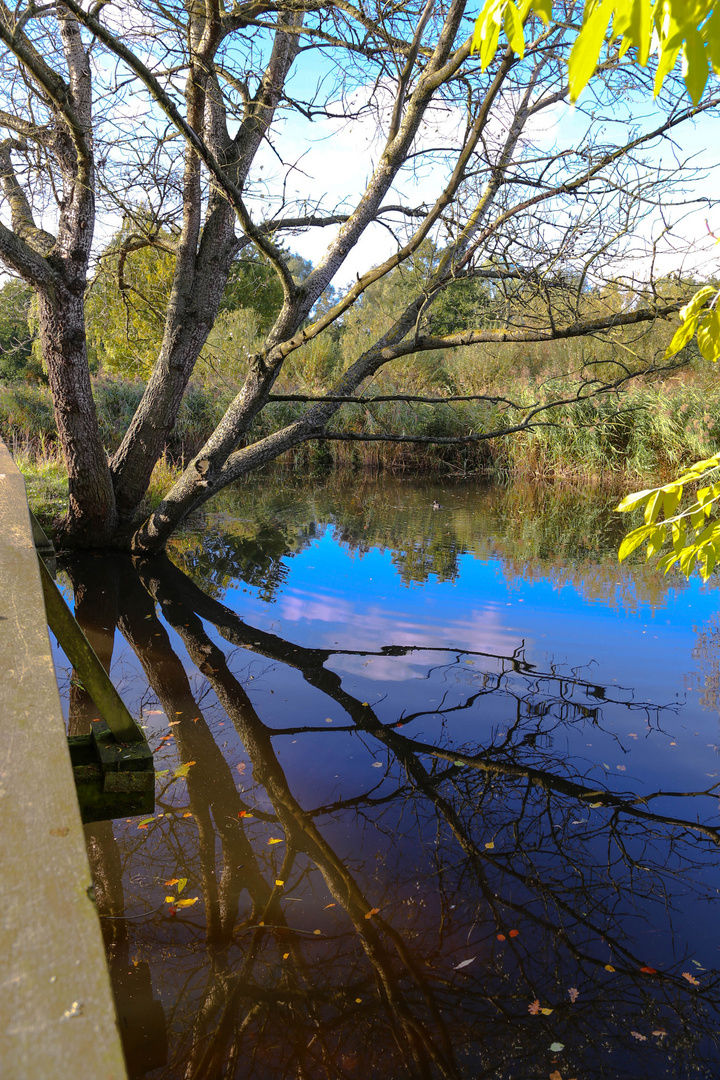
(217, 85)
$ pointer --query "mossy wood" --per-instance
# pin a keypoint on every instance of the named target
(113, 765)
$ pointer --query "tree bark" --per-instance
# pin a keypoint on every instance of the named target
(92, 517)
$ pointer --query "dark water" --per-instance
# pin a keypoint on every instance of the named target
(448, 792)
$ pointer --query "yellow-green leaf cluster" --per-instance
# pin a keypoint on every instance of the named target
(498, 15)
(685, 31)
(693, 532)
(700, 315)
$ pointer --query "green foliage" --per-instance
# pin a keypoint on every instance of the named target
(26, 413)
(693, 532)
(253, 285)
(129, 296)
(126, 304)
(15, 334)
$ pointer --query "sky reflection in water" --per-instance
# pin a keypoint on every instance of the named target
(512, 696)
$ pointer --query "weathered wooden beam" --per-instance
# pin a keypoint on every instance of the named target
(81, 655)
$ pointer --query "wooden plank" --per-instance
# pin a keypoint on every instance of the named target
(58, 1016)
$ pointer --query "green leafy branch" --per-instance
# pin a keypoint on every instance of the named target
(694, 533)
(672, 30)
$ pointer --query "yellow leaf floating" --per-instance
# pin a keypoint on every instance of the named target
(285, 955)
(188, 902)
(609, 967)
(546, 1012)
(183, 770)
(181, 883)
(275, 840)
(279, 882)
(169, 899)
(490, 846)
(371, 912)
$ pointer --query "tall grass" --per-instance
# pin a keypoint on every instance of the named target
(648, 431)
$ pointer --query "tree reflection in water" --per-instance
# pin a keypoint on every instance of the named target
(405, 928)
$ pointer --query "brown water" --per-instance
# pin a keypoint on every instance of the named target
(436, 797)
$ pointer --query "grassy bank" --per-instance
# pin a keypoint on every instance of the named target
(646, 433)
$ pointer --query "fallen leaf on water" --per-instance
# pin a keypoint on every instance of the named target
(317, 931)
(189, 902)
(169, 899)
(690, 978)
(155, 712)
(285, 955)
(145, 822)
(490, 846)
(557, 1047)
(373, 911)
(660, 1032)
(171, 881)
(172, 723)
(189, 814)
(377, 764)
(279, 882)
(574, 994)
(609, 967)
(328, 720)
(514, 933)
(638, 1036)
(243, 813)
(546, 1012)
(329, 905)
(620, 767)
(275, 840)
(172, 911)
(181, 883)
(162, 772)
(649, 970)
(358, 1000)
(241, 767)
(534, 1007)
(183, 770)
(464, 963)
(501, 937)
(555, 1075)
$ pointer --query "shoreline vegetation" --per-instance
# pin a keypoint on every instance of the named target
(645, 433)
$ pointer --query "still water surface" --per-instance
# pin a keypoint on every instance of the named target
(438, 791)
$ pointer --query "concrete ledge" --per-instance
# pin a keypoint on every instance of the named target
(57, 1017)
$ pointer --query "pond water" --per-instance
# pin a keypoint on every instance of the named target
(438, 790)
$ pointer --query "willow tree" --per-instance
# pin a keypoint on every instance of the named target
(457, 155)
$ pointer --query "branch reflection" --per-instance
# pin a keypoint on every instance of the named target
(475, 907)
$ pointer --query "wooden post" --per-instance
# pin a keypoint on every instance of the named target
(92, 674)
